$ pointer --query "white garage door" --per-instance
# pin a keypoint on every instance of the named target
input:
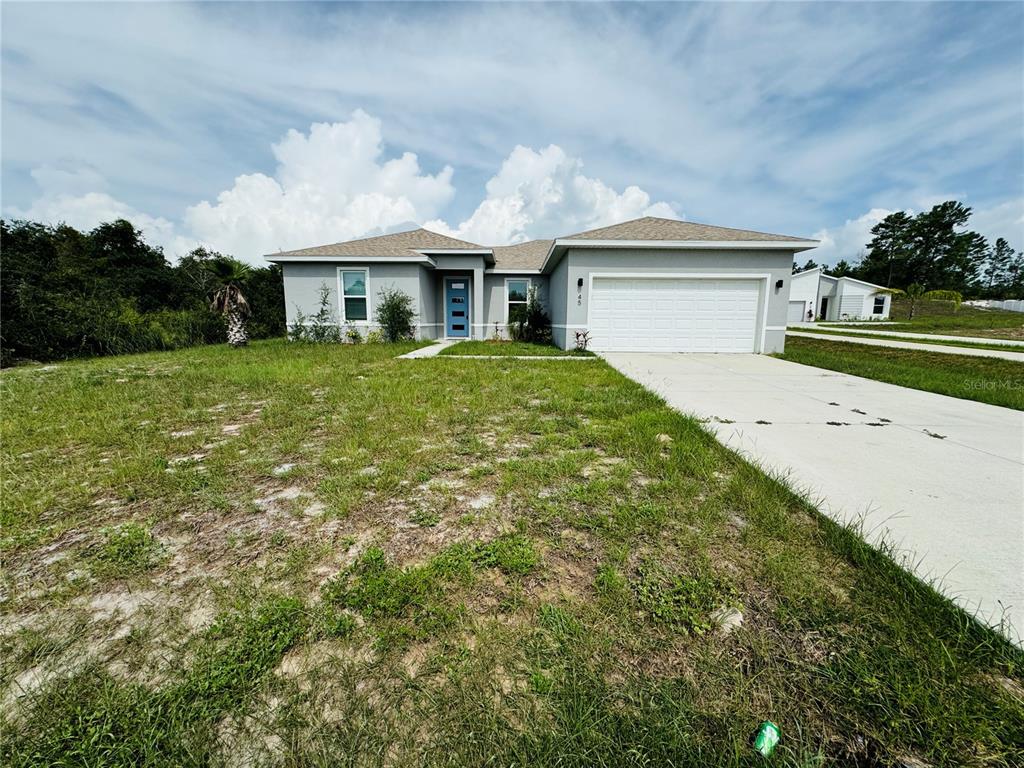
(674, 314)
(796, 312)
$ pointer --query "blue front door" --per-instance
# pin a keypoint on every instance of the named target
(456, 302)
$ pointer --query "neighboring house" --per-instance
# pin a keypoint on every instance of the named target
(835, 298)
(645, 285)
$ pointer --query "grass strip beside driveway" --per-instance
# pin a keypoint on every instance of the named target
(911, 340)
(966, 321)
(984, 379)
(311, 555)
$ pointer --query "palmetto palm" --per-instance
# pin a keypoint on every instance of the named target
(228, 299)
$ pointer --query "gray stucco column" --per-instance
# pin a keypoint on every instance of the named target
(478, 331)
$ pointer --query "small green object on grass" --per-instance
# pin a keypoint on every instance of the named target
(767, 737)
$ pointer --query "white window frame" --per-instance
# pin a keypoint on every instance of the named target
(342, 320)
(874, 300)
(529, 287)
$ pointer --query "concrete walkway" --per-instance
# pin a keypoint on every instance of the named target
(969, 351)
(942, 478)
(432, 351)
(906, 335)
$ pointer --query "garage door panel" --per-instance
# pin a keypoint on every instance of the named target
(674, 314)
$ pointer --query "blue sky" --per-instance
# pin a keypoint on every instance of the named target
(254, 127)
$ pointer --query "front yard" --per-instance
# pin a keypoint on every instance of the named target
(300, 555)
(989, 380)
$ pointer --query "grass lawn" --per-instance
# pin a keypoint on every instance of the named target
(985, 379)
(299, 555)
(509, 348)
(883, 337)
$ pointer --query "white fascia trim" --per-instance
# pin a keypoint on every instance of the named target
(702, 245)
(454, 252)
(761, 245)
(862, 282)
(354, 259)
(805, 272)
(512, 272)
(764, 277)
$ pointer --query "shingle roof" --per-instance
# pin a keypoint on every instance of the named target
(528, 255)
(397, 244)
(654, 228)
(531, 254)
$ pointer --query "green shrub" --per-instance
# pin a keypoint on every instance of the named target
(955, 297)
(395, 314)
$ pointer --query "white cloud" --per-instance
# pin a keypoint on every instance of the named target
(848, 240)
(543, 194)
(332, 185)
(78, 197)
(329, 186)
(1004, 220)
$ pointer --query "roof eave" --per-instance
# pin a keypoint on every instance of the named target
(487, 253)
(559, 246)
(862, 282)
(284, 258)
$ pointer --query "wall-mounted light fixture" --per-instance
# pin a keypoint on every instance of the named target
(579, 283)
(579, 292)
(778, 285)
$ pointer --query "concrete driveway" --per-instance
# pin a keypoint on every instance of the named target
(942, 478)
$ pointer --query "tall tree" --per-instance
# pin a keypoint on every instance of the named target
(842, 269)
(889, 250)
(931, 249)
(997, 274)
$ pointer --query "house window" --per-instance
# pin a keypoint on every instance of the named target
(516, 292)
(353, 296)
(879, 308)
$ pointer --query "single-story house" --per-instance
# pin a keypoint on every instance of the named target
(650, 284)
(822, 296)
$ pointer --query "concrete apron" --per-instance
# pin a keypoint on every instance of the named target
(940, 478)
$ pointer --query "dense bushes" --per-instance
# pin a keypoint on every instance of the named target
(65, 293)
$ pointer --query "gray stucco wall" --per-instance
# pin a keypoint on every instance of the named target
(302, 283)
(558, 298)
(583, 262)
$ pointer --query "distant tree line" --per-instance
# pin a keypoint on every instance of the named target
(936, 251)
(66, 293)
